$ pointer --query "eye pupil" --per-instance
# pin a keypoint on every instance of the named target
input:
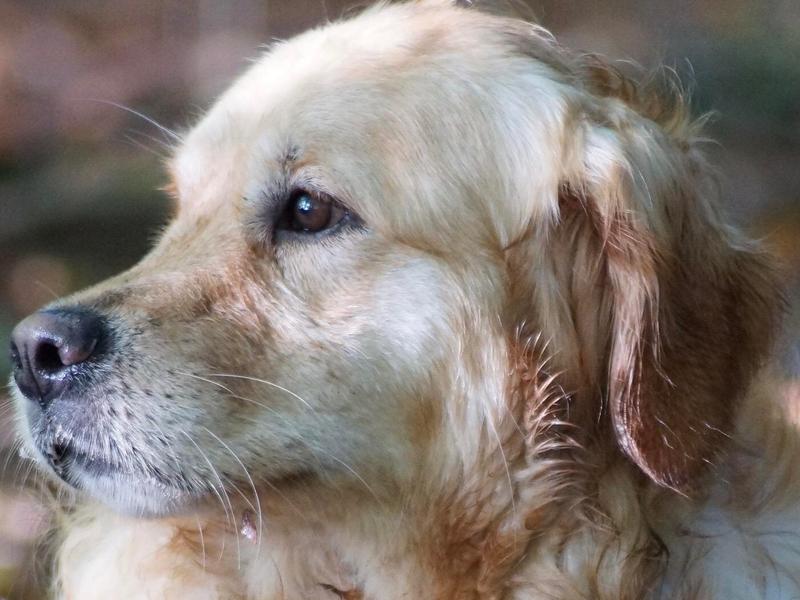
(310, 214)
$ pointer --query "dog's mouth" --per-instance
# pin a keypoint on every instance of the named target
(140, 491)
(67, 460)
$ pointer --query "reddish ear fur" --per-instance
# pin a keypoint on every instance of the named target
(692, 307)
(690, 324)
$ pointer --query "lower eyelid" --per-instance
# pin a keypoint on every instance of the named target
(347, 222)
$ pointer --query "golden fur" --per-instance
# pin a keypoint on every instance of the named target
(538, 371)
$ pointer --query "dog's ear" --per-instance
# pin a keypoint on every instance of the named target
(690, 307)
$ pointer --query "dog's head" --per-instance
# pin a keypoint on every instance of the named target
(365, 225)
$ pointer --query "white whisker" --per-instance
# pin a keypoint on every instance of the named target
(232, 393)
(167, 131)
(265, 382)
(229, 513)
(202, 539)
(256, 508)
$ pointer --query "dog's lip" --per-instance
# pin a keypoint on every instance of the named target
(73, 465)
(66, 461)
(91, 465)
(87, 465)
(116, 486)
(128, 492)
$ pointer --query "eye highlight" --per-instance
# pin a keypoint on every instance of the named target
(311, 212)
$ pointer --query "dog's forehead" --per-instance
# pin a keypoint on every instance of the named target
(383, 111)
(325, 93)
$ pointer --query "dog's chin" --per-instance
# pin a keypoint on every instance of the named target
(132, 495)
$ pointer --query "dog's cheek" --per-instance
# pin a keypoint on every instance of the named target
(410, 313)
(363, 366)
(408, 334)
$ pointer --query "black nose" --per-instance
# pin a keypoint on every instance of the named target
(49, 346)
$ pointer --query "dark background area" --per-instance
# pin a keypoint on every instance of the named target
(80, 173)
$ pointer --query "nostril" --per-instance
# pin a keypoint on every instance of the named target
(58, 451)
(47, 358)
(48, 347)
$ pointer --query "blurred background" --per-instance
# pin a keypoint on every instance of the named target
(80, 171)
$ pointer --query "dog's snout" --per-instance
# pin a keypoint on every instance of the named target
(48, 345)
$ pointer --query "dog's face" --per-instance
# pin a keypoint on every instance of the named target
(289, 318)
(362, 223)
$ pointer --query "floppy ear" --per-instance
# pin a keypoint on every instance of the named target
(692, 306)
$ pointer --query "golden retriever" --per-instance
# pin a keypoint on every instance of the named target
(445, 312)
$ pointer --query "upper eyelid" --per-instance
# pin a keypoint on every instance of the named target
(315, 184)
(275, 195)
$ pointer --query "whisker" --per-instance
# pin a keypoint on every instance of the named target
(274, 412)
(229, 513)
(12, 450)
(170, 448)
(169, 132)
(153, 139)
(315, 450)
(354, 472)
(134, 142)
(211, 485)
(202, 539)
(234, 394)
(265, 382)
(257, 508)
(40, 284)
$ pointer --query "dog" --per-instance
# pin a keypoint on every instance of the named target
(445, 311)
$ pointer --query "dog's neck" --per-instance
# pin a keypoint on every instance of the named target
(540, 530)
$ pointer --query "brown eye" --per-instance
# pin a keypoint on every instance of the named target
(310, 213)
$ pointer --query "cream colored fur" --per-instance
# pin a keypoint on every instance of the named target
(537, 371)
